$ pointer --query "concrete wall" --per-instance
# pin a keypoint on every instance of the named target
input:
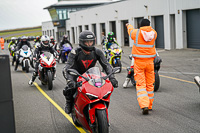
(131, 9)
(48, 26)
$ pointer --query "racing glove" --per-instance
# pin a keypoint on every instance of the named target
(71, 84)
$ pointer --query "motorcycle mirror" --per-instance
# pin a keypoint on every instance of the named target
(75, 73)
(116, 69)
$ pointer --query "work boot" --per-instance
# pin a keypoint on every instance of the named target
(145, 111)
(68, 107)
(126, 82)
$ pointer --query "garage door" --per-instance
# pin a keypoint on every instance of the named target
(159, 27)
(193, 28)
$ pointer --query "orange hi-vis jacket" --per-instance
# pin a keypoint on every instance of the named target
(1, 41)
(144, 47)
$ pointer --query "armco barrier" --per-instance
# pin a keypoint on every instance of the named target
(7, 121)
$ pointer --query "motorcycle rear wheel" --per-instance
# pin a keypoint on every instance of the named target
(157, 81)
(101, 122)
(133, 81)
(49, 80)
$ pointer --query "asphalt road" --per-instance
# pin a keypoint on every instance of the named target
(176, 107)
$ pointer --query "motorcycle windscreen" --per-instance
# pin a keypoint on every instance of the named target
(94, 74)
(25, 47)
(67, 45)
(46, 55)
(114, 46)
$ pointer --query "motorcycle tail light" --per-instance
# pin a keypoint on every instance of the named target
(106, 95)
(91, 96)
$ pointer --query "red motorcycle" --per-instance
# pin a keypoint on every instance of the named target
(91, 100)
(47, 69)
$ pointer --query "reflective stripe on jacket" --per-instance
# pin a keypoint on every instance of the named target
(142, 48)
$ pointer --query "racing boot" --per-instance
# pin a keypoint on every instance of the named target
(33, 78)
(16, 66)
(145, 111)
(68, 107)
(126, 82)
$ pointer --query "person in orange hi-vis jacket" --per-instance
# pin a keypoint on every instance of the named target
(144, 52)
(2, 43)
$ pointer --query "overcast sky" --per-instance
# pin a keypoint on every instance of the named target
(23, 13)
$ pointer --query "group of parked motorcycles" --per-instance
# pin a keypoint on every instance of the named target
(92, 98)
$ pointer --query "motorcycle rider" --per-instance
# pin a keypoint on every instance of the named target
(81, 59)
(37, 39)
(64, 40)
(12, 42)
(45, 45)
(108, 42)
(52, 41)
(18, 40)
(19, 46)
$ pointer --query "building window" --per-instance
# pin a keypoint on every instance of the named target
(64, 14)
(60, 15)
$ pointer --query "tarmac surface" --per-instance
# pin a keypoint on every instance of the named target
(176, 107)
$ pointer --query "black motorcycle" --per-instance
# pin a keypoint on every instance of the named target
(157, 62)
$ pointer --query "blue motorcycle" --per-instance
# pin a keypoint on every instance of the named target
(66, 48)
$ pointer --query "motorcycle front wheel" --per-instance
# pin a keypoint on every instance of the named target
(26, 66)
(74, 117)
(49, 80)
(101, 122)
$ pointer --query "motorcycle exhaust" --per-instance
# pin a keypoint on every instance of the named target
(197, 81)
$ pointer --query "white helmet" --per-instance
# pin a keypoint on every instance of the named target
(13, 39)
(45, 40)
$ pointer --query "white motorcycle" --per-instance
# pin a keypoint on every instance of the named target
(25, 58)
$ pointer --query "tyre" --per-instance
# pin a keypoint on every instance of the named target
(49, 80)
(74, 117)
(32, 64)
(26, 66)
(43, 83)
(101, 122)
(133, 81)
(119, 64)
(157, 81)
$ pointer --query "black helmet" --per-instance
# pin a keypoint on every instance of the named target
(65, 37)
(84, 37)
(24, 39)
(110, 36)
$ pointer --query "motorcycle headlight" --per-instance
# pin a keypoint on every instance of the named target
(106, 95)
(91, 96)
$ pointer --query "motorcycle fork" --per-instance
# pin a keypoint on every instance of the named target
(92, 112)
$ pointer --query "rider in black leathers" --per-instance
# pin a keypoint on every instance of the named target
(64, 41)
(19, 46)
(81, 59)
(45, 45)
